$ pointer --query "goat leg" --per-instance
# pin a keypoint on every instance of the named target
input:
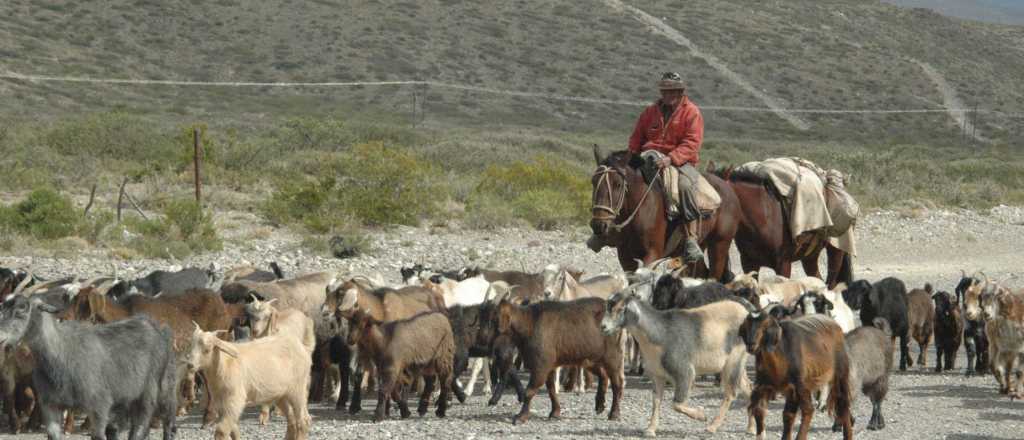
(757, 409)
(11, 407)
(399, 396)
(357, 392)
(602, 389)
(384, 391)
(876, 422)
(904, 353)
(789, 417)
(442, 400)
(345, 371)
(556, 407)
(428, 389)
(969, 346)
(536, 380)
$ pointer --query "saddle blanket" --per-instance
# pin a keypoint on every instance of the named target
(814, 198)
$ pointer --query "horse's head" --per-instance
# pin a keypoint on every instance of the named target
(610, 183)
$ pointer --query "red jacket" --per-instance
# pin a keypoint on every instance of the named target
(680, 139)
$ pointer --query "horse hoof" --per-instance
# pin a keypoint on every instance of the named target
(518, 420)
(650, 433)
(555, 415)
(614, 416)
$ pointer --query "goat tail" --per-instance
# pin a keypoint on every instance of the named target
(839, 395)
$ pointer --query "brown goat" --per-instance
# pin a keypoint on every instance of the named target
(383, 304)
(350, 298)
(16, 365)
(420, 345)
(553, 334)
(921, 314)
(796, 358)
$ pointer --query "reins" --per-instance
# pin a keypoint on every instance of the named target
(602, 172)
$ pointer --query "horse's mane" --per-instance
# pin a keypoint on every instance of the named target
(617, 159)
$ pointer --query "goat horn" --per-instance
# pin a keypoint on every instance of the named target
(23, 283)
(102, 289)
(255, 299)
(198, 328)
(963, 273)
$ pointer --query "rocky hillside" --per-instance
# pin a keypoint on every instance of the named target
(797, 54)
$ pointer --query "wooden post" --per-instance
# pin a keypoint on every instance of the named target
(120, 198)
(195, 161)
(92, 197)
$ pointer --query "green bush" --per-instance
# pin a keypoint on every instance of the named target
(184, 229)
(114, 135)
(547, 192)
(487, 211)
(382, 185)
(370, 184)
(44, 214)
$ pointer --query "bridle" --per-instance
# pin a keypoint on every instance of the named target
(603, 174)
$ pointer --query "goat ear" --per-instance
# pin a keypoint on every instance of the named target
(771, 336)
(224, 347)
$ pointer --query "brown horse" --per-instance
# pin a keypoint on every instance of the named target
(764, 238)
(631, 216)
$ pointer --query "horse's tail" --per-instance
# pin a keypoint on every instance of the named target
(846, 270)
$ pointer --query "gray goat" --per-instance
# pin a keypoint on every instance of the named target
(677, 345)
(116, 373)
(870, 351)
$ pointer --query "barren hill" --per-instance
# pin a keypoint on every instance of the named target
(794, 54)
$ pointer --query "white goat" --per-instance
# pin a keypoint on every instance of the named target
(273, 369)
(266, 320)
(468, 292)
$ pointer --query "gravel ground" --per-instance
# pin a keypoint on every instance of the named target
(916, 246)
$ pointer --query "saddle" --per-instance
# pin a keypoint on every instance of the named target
(688, 194)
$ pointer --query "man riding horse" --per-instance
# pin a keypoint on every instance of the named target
(674, 127)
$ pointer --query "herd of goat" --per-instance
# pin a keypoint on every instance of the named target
(129, 355)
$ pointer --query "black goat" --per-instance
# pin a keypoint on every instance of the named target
(887, 299)
(669, 293)
(173, 282)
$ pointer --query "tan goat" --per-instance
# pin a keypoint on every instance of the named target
(266, 320)
(273, 369)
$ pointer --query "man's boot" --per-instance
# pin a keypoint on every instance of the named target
(691, 250)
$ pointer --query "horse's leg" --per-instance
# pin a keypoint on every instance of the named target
(834, 258)
(718, 257)
(627, 260)
(785, 267)
(810, 264)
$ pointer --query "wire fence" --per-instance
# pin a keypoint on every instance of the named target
(964, 118)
